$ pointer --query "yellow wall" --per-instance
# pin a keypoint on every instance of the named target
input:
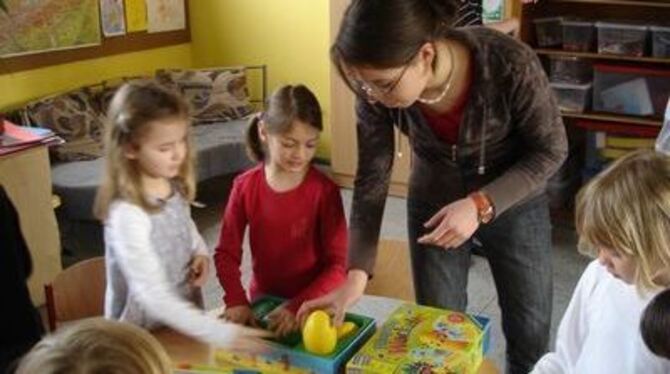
(291, 37)
(18, 88)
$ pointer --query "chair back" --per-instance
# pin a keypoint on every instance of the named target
(77, 292)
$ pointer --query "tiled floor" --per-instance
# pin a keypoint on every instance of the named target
(568, 264)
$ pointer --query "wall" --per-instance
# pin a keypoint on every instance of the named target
(20, 87)
(291, 37)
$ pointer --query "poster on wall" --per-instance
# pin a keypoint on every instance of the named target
(166, 15)
(136, 15)
(493, 10)
(28, 27)
(112, 17)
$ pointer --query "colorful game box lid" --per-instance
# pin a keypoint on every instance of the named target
(419, 339)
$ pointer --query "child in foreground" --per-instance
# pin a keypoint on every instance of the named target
(97, 346)
(623, 219)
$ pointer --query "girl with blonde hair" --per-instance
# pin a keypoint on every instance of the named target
(156, 259)
(97, 346)
(623, 219)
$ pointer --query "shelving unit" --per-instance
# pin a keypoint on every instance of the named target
(614, 118)
(647, 11)
(654, 12)
(599, 56)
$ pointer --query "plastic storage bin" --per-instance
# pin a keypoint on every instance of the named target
(630, 90)
(578, 36)
(660, 36)
(549, 31)
(570, 69)
(573, 97)
(622, 39)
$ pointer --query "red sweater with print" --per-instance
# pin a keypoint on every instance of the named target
(298, 239)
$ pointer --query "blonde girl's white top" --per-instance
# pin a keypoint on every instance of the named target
(147, 257)
(600, 331)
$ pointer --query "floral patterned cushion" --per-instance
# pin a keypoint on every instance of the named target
(75, 117)
(215, 95)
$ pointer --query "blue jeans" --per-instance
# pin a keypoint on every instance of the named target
(517, 245)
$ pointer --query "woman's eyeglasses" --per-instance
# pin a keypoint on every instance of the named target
(373, 91)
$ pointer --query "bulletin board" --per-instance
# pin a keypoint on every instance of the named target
(121, 26)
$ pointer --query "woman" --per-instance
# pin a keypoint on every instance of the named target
(486, 135)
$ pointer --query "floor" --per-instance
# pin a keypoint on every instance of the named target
(568, 264)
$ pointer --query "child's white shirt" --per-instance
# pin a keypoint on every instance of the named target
(600, 331)
(147, 257)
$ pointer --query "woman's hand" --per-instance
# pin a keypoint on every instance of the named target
(198, 270)
(339, 300)
(282, 321)
(452, 225)
(240, 314)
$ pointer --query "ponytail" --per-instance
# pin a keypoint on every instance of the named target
(253, 140)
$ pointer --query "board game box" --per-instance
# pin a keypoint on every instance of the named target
(419, 339)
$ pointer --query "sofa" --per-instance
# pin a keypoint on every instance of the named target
(220, 108)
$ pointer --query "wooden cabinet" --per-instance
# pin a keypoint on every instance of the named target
(344, 149)
(26, 177)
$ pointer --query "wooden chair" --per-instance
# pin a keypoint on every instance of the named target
(392, 272)
(77, 292)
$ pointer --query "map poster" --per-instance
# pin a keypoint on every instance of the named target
(33, 26)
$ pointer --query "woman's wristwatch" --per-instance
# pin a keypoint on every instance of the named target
(485, 208)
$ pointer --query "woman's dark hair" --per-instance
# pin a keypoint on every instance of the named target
(655, 324)
(286, 105)
(388, 33)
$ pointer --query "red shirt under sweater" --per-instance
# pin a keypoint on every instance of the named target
(446, 125)
(298, 239)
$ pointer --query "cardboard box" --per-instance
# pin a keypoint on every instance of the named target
(418, 339)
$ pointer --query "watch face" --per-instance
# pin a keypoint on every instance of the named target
(487, 215)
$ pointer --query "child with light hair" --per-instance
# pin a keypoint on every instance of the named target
(97, 346)
(623, 219)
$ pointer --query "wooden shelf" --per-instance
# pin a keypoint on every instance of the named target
(648, 3)
(614, 118)
(598, 56)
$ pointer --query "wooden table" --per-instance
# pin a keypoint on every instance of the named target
(183, 349)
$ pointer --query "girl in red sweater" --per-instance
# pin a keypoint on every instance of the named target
(297, 229)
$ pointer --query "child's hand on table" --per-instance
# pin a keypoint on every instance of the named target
(282, 321)
(240, 314)
(198, 270)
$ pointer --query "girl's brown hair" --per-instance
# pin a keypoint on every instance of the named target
(135, 106)
(286, 105)
(626, 209)
(97, 346)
